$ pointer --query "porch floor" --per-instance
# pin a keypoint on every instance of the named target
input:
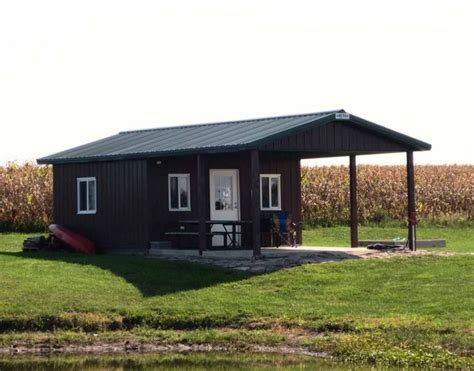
(272, 258)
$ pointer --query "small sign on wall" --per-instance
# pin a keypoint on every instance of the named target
(343, 116)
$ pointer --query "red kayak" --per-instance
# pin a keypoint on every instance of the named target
(75, 241)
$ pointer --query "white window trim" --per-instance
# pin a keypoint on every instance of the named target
(87, 180)
(187, 176)
(278, 176)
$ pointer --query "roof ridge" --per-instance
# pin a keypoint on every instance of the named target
(231, 122)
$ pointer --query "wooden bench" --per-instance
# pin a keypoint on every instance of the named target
(181, 233)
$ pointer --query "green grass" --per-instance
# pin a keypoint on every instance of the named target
(405, 307)
(459, 238)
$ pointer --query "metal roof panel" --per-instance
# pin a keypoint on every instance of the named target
(217, 136)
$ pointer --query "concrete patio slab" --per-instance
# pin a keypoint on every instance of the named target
(272, 258)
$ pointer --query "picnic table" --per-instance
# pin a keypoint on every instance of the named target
(229, 230)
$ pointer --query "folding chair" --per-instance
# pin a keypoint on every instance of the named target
(283, 230)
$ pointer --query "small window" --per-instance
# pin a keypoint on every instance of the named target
(270, 192)
(86, 196)
(179, 192)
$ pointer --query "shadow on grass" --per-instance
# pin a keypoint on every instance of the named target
(153, 277)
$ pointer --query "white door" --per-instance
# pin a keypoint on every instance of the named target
(225, 201)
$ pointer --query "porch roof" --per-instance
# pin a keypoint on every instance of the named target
(218, 137)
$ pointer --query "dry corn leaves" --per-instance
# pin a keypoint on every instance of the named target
(25, 196)
(442, 192)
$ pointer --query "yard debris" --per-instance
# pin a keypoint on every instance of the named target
(383, 246)
(37, 243)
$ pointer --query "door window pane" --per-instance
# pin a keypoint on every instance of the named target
(223, 192)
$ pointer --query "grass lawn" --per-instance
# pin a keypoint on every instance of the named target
(406, 311)
(459, 239)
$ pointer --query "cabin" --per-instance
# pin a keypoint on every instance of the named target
(210, 185)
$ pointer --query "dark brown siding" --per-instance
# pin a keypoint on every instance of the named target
(132, 196)
(334, 139)
(121, 220)
(290, 170)
(161, 219)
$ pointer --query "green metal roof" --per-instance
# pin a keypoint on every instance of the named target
(210, 138)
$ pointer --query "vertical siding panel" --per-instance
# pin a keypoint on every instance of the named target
(332, 135)
(308, 137)
(285, 171)
(126, 207)
(323, 138)
(108, 208)
(72, 194)
(354, 140)
(292, 142)
(130, 205)
(140, 201)
(144, 200)
(276, 145)
(337, 136)
(314, 139)
(290, 185)
(345, 134)
(120, 192)
(134, 196)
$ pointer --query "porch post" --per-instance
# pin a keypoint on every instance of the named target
(255, 201)
(201, 202)
(353, 192)
(411, 201)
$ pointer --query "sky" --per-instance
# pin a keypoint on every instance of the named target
(75, 71)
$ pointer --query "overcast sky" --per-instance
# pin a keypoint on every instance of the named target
(73, 72)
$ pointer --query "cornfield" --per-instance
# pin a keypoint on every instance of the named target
(443, 193)
(25, 197)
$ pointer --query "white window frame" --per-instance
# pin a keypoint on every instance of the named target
(78, 188)
(188, 181)
(270, 176)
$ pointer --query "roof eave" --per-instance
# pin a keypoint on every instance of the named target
(418, 145)
(145, 155)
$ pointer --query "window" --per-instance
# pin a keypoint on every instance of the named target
(86, 196)
(179, 192)
(270, 192)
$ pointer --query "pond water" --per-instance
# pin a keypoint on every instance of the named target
(170, 361)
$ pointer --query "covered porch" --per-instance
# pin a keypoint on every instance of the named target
(340, 134)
